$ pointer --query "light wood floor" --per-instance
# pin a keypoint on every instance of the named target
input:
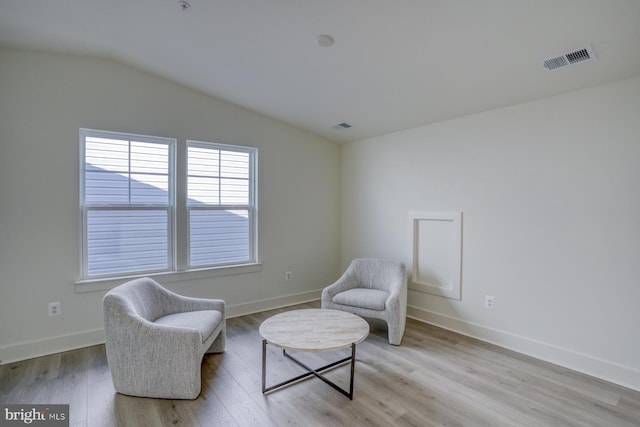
(436, 378)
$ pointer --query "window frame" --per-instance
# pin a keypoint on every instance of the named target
(251, 205)
(179, 257)
(169, 207)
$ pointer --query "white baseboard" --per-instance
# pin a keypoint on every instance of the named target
(50, 345)
(584, 363)
(272, 303)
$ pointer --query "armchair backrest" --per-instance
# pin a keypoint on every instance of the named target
(139, 298)
(378, 274)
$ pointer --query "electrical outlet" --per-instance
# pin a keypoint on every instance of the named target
(287, 275)
(488, 301)
(55, 308)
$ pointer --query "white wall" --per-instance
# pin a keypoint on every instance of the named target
(551, 222)
(45, 99)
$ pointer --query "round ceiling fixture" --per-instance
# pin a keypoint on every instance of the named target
(325, 40)
(184, 6)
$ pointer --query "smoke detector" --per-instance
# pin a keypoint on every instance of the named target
(325, 40)
(575, 56)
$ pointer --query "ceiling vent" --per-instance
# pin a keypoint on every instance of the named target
(342, 125)
(574, 57)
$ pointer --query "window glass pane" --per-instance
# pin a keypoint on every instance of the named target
(107, 154)
(150, 158)
(104, 187)
(218, 236)
(149, 189)
(120, 241)
(203, 161)
(202, 190)
(234, 191)
(234, 164)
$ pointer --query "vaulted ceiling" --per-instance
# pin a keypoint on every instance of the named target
(394, 64)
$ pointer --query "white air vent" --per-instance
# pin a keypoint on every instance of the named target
(574, 57)
(342, 126)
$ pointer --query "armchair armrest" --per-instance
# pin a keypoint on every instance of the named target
(130, 331)
(399, 283)
(180, 303)
(344, 282)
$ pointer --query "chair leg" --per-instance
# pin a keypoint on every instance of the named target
(395, 340)
(396, 332)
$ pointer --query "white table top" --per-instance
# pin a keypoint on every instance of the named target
(314, 329)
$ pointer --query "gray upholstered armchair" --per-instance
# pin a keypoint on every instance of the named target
(155, 339)
(372, 288)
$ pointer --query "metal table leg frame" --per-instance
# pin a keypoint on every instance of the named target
(309, 372)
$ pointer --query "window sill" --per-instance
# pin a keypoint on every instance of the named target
(95, 285)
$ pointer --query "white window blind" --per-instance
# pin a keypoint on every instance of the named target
(127, 184)
(220, 204)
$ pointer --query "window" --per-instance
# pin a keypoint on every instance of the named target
(220, 204)
(128, 202)
(127, 189)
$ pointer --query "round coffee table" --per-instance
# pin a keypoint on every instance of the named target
(313, 330)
